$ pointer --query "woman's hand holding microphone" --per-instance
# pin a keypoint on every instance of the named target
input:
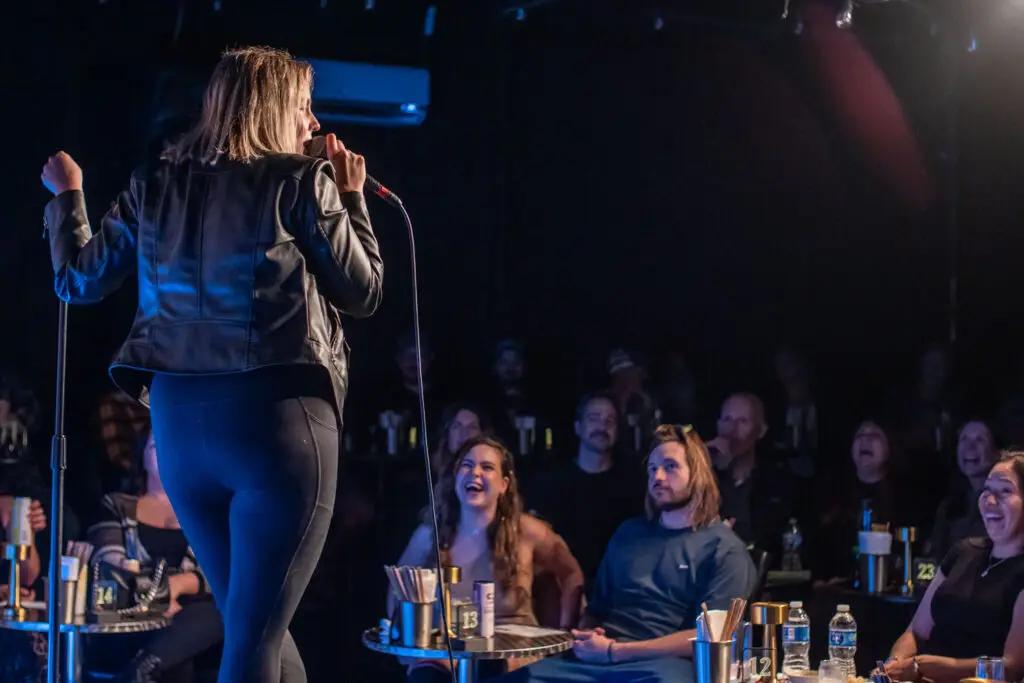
(349, 167)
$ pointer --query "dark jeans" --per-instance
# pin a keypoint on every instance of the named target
(425, 673)
(195, 630)
(570, 670)
(250, 462)
(190, 643)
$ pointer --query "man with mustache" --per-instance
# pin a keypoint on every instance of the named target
(655, 575)
(586, 499)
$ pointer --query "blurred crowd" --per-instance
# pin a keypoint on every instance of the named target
(780, 460)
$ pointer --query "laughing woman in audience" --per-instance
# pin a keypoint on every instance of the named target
(483, 530)
(958, 516)
(975, 605)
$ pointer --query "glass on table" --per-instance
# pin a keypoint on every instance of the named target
(991, 668)
(830, 672)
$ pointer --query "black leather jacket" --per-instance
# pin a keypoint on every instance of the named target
(240, 266)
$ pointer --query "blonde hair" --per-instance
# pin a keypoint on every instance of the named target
(249, 108)
(704, 496)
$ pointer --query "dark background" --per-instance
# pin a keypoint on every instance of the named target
(723, 185)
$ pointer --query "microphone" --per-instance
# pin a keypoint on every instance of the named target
(317, 147)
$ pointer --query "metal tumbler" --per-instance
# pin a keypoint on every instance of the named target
(417, 623)
(713, 662)
(874, 573)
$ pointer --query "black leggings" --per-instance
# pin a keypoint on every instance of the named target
(250, 462)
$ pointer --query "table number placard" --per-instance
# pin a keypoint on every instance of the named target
(925, 570)
(104, 596)
(466, 618)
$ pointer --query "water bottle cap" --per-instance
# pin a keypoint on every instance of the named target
(842, 608)
(796, 604)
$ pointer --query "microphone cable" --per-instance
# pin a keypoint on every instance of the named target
(393, 199)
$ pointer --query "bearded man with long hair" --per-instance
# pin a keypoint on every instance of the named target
(655, 574)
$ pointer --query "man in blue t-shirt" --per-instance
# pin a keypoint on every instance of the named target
(654, 576)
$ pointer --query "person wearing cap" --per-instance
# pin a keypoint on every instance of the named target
(637, 408)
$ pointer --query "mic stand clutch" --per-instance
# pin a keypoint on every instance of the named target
(58, 463)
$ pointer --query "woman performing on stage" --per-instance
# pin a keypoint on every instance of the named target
(246, 251)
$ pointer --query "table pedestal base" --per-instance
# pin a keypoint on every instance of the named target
(72, 656)
(465, 672)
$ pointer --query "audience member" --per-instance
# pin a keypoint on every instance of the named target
(975, 605)
(482, 529)
(20, 477)
(924, 414)
(32, 568)
(958, 516)
(460, 422)
(134, 534)
(797, 413)
(875, 483)
(123, 423)
(638, 410)
(756, 488)
(657, 572)
(512, 396)
(401, 394)
(588, 498)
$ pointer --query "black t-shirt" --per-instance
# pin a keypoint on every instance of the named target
(586, 509)
(761, 505)
(169, 544)
(972, 613)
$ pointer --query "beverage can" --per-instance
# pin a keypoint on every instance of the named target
(483, 596)
(21, 528)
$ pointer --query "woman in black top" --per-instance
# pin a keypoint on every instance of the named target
(975, 605)
(958, 516)
(132, 534)
(246, 253)
(874, 481)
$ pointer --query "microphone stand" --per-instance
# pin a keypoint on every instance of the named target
(58, 463)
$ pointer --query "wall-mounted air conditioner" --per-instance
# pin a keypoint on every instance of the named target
(369, 94)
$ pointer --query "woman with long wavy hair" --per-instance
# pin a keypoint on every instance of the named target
(246, 253)
(483, 529)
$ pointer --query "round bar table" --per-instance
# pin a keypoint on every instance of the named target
(501, 646)
(36, 622)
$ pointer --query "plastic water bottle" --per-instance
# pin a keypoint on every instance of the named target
(792, 539)
(842, 640)
(796, 640)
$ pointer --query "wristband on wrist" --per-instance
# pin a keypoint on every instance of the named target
(611, 659)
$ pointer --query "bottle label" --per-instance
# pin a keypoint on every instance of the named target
(842, 638)
(796, 635)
